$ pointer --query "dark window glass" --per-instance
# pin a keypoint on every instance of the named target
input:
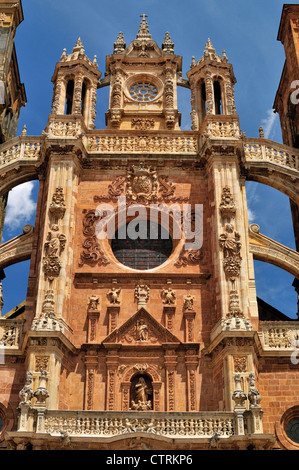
(1, 424)
(143, 253)
(293, 430)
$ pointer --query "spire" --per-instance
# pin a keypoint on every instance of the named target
(79, 46)
(143, 32)
(209, 50)
(168, 45)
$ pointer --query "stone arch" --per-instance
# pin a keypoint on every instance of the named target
(272, 164)
(17, 249)
(270, 251)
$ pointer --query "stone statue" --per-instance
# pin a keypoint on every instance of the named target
(168, 296)
(113, 295)
(142, 392)
(142, 331)
(55, 242)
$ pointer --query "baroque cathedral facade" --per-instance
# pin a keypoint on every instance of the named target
(159, 341)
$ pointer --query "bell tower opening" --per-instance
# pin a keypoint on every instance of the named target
(217, 97)
(69, 97)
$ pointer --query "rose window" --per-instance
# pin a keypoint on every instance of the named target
(143, 91)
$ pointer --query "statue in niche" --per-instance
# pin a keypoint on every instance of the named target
(142, 392)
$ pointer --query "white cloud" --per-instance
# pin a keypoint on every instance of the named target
(251, 215)
(268, 123)
(20, 206)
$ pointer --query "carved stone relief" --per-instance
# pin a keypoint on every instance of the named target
(57, 207)
(231, 246)
(142, 184)
(142, 292)
(53, 247)
(113, 296)
(168, 296)
(92, 253)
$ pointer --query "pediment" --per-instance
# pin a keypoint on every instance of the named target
(142, 329)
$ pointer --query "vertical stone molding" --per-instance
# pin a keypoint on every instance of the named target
(91, 364)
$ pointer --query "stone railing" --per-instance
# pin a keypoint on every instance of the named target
(221, 127)
(283, 335)
(10, 333)
(108, 424)
(21, 149)
(267, 151)
(107, 142)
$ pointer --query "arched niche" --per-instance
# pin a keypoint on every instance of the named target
(152, 381)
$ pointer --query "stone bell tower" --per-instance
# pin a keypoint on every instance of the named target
(75, 87)
(142, 82)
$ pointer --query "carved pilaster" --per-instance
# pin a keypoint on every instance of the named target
(169, 312)
(170, 360)
(113, 313)
(91, 363)
(191, 360)
(189, 317)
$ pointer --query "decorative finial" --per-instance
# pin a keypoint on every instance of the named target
(119, 45)
(63, 56)
(209, 49)
(143, 32)
(224, 56)
(168, 45)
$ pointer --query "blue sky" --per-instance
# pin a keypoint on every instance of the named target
(248, 33)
